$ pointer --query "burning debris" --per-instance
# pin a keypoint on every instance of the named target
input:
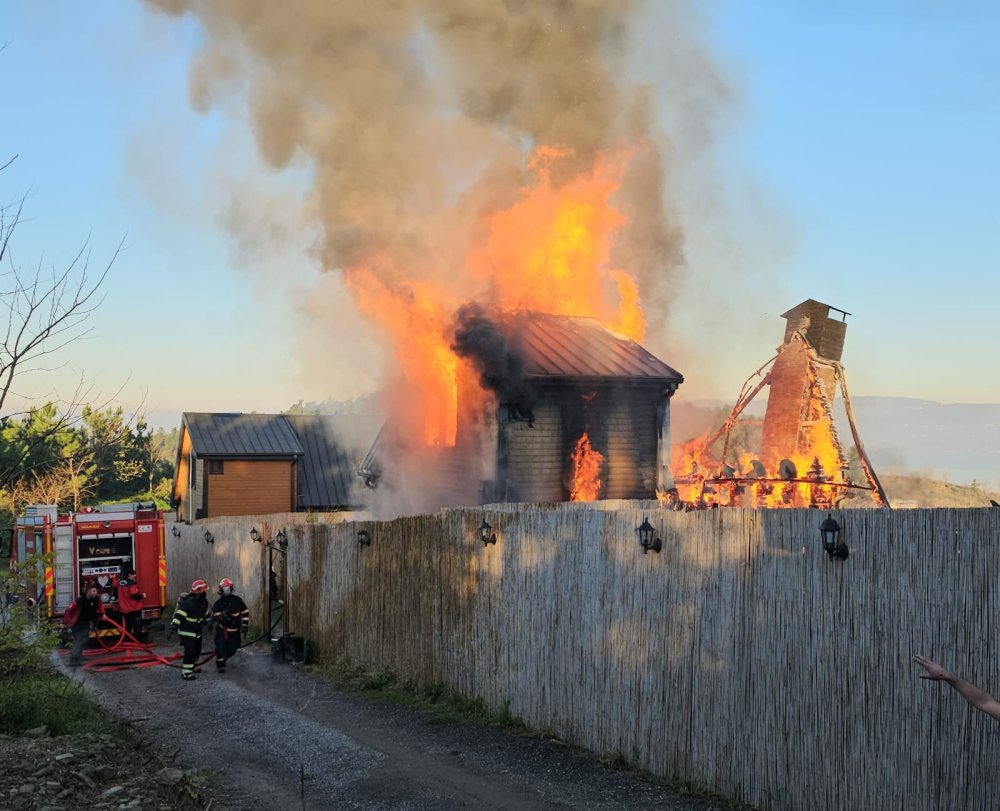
(801, 462)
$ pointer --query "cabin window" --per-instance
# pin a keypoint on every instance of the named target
(215, 467)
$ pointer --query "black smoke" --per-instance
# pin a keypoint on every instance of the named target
(500, 367)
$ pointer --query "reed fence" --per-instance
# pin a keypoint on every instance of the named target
(740, 656)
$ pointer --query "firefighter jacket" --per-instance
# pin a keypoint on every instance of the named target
(231, 613)
(191, 615)
(87, 613)
(129, 596)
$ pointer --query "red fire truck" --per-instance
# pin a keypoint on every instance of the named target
(94, 547)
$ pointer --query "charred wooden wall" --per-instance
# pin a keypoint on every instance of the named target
(621, 422)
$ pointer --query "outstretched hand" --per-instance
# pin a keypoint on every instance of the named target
(934, 671)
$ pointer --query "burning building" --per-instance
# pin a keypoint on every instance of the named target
(573, 412)
(801, 461)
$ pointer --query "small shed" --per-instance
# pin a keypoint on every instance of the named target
(244, 464)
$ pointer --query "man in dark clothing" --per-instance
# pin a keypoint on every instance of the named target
(130, 603)
(89, 610)
(189, 619)
(232, 619)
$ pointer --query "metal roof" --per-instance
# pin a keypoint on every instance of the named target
(241, 435)
(556, 346)
(332, 445)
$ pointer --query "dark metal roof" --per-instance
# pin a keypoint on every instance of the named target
(232, 435)
(556, 346)
(327, 470)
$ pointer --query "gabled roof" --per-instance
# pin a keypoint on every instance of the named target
(327, 470)
(555, 346)
(233, 435)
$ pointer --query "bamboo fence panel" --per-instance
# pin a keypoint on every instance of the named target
(741, 656)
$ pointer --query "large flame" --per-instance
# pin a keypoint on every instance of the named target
(548, 253)
(585, 471)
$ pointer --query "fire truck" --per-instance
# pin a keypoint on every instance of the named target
(93, 547)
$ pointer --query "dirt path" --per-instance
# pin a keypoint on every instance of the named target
(273, 737)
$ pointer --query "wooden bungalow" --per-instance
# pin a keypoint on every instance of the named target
(245, 464)
(579, 387)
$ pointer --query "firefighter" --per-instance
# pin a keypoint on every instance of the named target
(189, 619)
(130, 603)
(83, 614)
(232, 619)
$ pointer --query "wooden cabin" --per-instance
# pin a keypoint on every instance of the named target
(576, 378)
(248, 464)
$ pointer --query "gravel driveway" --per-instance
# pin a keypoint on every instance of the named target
(271, 736)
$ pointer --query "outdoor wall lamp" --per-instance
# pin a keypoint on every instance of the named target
(209, 537)
(830, 532)
(281, 539)
(175, 532)
(364, 538)
(646, 539)
(486, 534)
(254, 535)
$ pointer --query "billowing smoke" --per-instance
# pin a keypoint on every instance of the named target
(415, 118)
(416, 121)
(501, 369)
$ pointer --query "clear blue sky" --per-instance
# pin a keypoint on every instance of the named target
(859, 156)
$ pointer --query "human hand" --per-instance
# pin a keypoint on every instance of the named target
(934, 671)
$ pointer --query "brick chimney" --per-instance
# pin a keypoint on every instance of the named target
(812, 338)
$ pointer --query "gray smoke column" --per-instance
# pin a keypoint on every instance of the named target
(416, 118)
(501, 369)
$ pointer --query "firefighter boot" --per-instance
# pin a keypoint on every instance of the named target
(220, 665)
(189, 677)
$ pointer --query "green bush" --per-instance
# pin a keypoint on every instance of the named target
(47, 700)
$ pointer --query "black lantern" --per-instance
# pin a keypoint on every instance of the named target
(646, 539)
(830, 532)
(282, 539)
(486, 533)
(255, 535)
(364, 538)
(175, 532)
(209, 537)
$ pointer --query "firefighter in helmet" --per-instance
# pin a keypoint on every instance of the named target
(232, 619)
(190, 617)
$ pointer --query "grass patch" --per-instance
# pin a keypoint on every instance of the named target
(33, 694)
(439, 703)
(693, 788)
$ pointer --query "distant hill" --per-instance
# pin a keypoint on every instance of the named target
(913, 491)
(958, 442)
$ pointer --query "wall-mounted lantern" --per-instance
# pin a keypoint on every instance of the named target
(830, 532)
(175, 532)
(254, 535)
(486, 533)
(281, 539)
(646, 537)
(364, 538)
(209, 537)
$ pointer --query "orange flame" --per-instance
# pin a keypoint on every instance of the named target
(547, 253)
(414, 314)
(585, 484)
(550, 251)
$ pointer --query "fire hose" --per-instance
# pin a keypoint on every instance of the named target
(138, 654)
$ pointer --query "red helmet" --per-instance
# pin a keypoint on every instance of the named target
(225, 583)
(199, 587)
